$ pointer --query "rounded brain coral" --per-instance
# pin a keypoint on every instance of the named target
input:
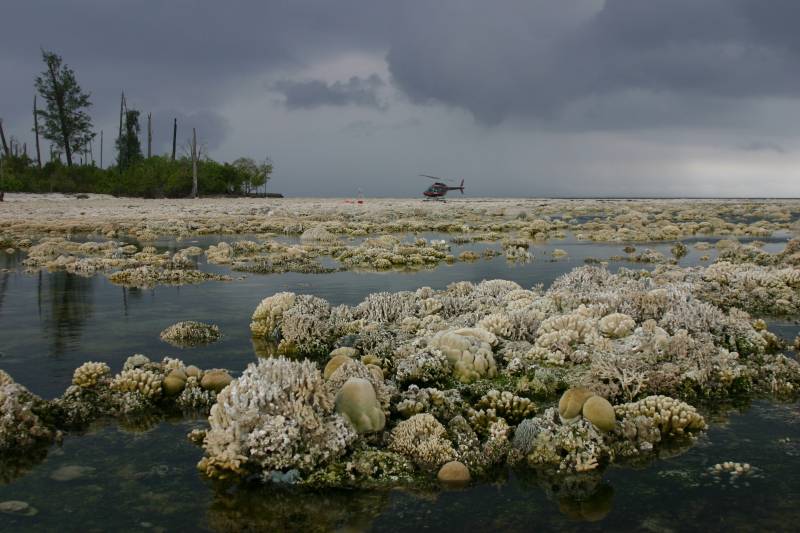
(469, 351)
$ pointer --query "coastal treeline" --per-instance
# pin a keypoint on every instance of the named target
(70, 165)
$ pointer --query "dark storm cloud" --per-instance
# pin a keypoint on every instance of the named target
(180, 54)
(315, 93)
(569, 87)
(533, 59)
(495, 59)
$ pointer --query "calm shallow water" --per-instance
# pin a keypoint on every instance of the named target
(142, 478)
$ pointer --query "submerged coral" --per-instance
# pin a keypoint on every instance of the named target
(21, 428)
(190, 333)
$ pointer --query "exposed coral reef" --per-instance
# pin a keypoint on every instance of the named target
(190, 333)
(277, 416)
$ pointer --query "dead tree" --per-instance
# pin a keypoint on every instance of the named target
(174, 135)
(195, 193)
(122, 109)
(3, 140)
(101, 148)
(36, 131)
(149, 136)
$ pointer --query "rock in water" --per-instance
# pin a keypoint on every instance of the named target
(335, 362)
(454, 472)
(599, 412)
(215, 380)
(71, 472)
(357, 402)
(17, 507)
(571, 402)
(173, 385)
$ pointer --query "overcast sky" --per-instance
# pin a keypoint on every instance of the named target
(518, 97)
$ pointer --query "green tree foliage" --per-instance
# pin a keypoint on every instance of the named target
(257, 174)
(153, 177)
(65, 120)
(129, 149)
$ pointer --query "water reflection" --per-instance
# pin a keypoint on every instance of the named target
(284, 509)
(65, 303)
(593, 508)
(145, 468)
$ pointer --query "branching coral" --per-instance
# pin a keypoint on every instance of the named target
(423, 439)
(443, 404)
(546, 442)
(616, 325)
(670, 416)
(269, 313)
(277, 416)
(145, 382)
(89, 374)
(425, 366)
(190, 333)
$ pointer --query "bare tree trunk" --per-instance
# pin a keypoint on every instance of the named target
(174, 135)
(101, 148)
(3, 139)
(36, 130)
(58, 89)
(194, 164)
(149, 136)
(119, 137)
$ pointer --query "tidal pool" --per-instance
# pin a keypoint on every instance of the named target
(142, 475)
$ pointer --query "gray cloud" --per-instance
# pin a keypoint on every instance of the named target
(309, 94)
(567, 88)
(535, 59)
(763, 146)
(212, 129)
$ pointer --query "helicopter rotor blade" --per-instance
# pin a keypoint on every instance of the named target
(436, 178)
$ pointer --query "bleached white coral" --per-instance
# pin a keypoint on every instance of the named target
(443, 404)
(221, 253)
(424, 366)
(423, 439)
(318, 234)
(496, 323)
(190, 333)
(305, 326)
(269, 313)
(616, 325)
(277, 416)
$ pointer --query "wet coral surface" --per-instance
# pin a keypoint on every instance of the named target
(139, 472)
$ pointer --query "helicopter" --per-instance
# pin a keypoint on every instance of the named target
(439, 189)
